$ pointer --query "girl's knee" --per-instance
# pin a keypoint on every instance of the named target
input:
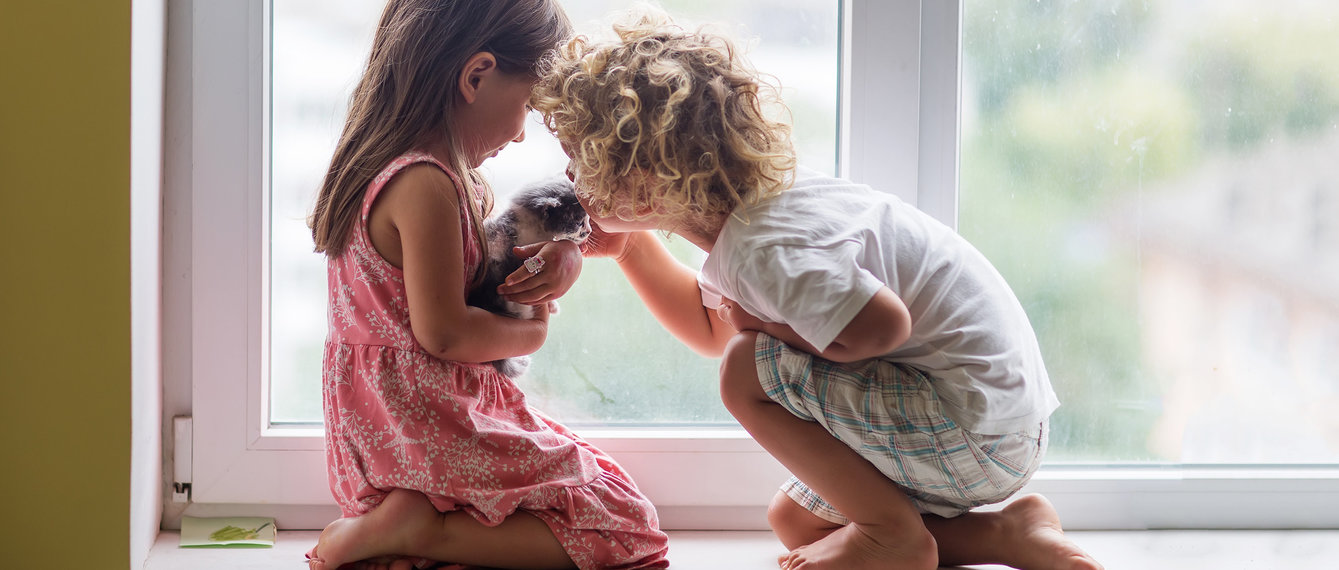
(739, 372)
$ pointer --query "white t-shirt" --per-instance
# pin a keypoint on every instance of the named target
(814, 255)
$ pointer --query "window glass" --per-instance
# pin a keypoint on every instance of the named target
(606, 360)
(1157, 180)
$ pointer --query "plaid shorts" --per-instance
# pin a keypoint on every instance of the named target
(889, 414)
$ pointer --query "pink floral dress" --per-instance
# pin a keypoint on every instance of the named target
(460, 433)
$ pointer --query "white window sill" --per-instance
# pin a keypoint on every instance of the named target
(756, 550)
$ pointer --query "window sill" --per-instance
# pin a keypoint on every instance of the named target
(756, 550)
(1088, 497)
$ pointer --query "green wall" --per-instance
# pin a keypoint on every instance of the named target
(65, 284)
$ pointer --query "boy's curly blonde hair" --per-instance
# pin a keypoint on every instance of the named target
(683, 107)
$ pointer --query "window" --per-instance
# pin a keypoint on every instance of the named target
(579, 376)
(1157, 194)
(1066, 140)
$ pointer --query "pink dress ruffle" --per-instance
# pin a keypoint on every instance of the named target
(461, 433)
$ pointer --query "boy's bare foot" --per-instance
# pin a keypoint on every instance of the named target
(375, 537)
(1036, 541)
(383, 563)
(854, 547)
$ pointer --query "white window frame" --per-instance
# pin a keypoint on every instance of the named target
(900, 70)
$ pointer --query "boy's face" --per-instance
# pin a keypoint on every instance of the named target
(625, 217)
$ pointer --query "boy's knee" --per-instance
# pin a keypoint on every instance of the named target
(793, 524)
(739, 373)
(784, 512)
(740, 347)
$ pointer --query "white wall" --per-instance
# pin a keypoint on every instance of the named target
(147, 41)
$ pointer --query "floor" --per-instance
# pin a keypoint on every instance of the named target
(1125, 550)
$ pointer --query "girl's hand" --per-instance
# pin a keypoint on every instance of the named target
(737, 317)
(559, 270)
(605, 244)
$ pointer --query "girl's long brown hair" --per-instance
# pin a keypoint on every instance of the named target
(409, 91)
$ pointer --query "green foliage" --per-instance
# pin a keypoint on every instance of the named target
(1095, 135)
(1010, 45)
(1080, 291)
(1255, 74)
(1081, 106)
(1071, 125)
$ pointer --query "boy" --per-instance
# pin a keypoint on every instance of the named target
(871, 350)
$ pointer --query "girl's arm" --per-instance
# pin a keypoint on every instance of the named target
(423, 209)
(670, 291)
(879, 328)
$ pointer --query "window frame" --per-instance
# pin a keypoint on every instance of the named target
(900, 74)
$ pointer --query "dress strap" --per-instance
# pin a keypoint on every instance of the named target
(361, 235)
(402, 161)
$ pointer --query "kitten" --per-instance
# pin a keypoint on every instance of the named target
(541, 211)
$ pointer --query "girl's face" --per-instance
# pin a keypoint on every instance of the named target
(496, 117)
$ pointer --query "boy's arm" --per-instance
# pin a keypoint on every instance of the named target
(881, 326)
(671, 293)
(737, 317)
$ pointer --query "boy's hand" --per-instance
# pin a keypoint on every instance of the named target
(730, 312)
(741, 320)
(551, 278)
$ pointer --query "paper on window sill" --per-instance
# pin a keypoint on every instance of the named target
(227, 532)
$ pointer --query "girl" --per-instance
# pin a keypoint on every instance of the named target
(867, 347)
(433, 455)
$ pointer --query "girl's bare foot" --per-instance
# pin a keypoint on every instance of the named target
(1035, 540)
(855, 547)
(375, 537)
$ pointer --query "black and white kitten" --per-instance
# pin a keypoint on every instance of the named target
(542, 211)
